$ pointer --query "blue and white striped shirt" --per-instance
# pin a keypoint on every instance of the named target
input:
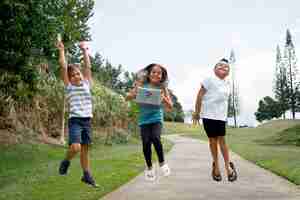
(79, 99)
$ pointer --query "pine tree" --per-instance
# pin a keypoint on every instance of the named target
(267, 109)
(233, 102)
(291, 68)
(280, 84)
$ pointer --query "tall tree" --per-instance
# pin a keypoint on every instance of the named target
(29, 30)
(280, 84)
(106, 73)
(267, 109)
(233, 101)
(129, 78)
(177, 114)
(292, 73)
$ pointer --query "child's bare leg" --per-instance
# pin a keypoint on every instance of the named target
(225, 153)
(73, 150)
(213, 146)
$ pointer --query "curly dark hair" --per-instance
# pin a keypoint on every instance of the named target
(164, 76)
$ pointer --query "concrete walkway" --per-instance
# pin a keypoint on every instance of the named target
(190, 163)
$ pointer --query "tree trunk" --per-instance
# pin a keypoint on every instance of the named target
(62, 133)
(291, 85)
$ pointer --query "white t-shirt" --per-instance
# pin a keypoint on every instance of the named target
(215, 100)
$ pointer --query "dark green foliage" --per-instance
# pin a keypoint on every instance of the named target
(19, 87)
(28, 34)
(177, 114)
(298, 99)
(289, 41)
(128, 81)
(233, 100)
(268, 109)
(29, 30)
(107, 74)
(280, 87)
(233, 105)
(290, 64)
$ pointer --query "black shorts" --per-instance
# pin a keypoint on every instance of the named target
(214, 128)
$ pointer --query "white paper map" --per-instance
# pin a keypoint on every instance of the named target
(148, 96)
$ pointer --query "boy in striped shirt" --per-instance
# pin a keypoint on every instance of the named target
(77, 88)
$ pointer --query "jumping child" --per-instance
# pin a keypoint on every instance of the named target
(77, 88)
(151, 117)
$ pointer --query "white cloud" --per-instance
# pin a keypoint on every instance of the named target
(185, 81)
(255, 75)
(236, 39)
(187, 42)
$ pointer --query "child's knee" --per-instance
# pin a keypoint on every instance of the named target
(75, 147)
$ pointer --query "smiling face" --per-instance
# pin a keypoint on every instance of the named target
(222, 70)
(75, 75)
(155, 75)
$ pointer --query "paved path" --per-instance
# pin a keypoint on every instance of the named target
(190, 163)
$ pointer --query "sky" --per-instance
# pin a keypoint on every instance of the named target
(189, 37)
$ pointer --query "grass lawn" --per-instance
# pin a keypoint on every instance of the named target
(271, 145)
(182, 128)
(30, 172)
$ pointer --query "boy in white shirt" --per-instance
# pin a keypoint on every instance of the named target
(212, 102)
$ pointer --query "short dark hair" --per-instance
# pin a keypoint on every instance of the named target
(71, 68)
(224, 60)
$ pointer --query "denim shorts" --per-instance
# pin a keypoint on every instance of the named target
(80, 130)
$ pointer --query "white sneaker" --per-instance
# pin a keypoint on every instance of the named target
(165, 170)
(150, 174)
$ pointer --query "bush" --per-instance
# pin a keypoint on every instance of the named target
(44, 111)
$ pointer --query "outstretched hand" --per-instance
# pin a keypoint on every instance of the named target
(166, 100)
(195, 118)
(60, 45)
(133, 92)
(83, 45)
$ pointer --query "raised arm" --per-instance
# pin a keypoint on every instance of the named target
(166, 99)
(87, 72)
(62, 63)
(198, 103)
(133, 92)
